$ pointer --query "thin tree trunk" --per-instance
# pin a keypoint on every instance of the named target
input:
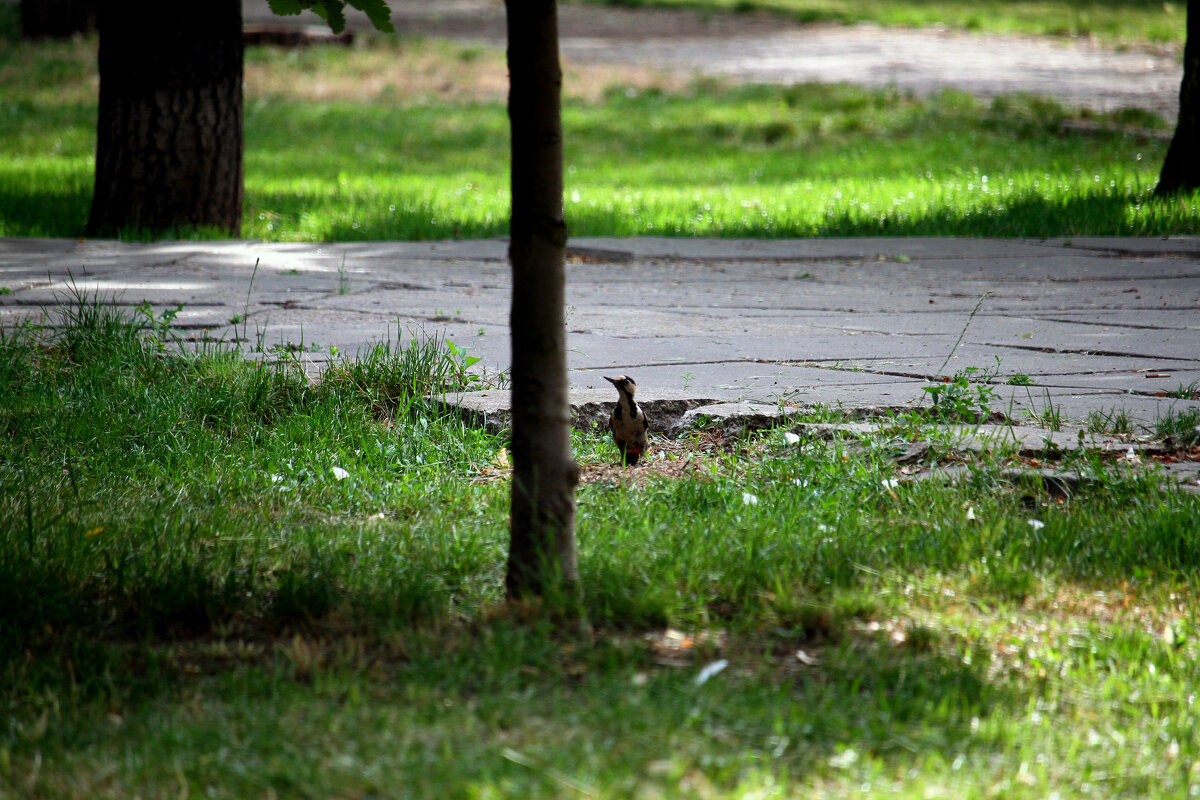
(169, 135)
(1181, 168)
(541, 559)
(57, 19)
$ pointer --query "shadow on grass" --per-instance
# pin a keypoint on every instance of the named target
(1116, 214)
(53, 214)
(1031, 216)
(515, 707)
(1025, 217)
(402, 216)
(302, 627)
(408, 216)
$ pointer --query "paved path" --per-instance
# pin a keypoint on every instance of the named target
(766, 48)
(1097, 324)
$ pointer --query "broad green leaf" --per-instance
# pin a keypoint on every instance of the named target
(337, 15)
(286, 8)
(377, 11)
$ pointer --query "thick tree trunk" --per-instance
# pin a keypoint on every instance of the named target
(57, 19)
(169, 137)
(541, 559)
(1181, 169)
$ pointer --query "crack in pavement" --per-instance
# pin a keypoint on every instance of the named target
(1107, 325)
(1081, 352)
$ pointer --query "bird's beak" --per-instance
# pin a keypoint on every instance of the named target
(613, 381)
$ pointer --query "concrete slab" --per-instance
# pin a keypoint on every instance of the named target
(733, 417)
(1014, 360)
(850, 322)
(746, 379)
(1022, 439)
(1074, 408)
(1152, 383)
(1185, 475)
(855, 249)
(1183, 246)
(1164, 319)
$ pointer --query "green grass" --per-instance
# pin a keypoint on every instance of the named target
(1182, 428)
(1128, 22)
(192, 601)
(710, 160)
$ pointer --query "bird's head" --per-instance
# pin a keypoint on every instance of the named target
(625, 384)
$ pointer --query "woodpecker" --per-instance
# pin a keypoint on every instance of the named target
(628, 421)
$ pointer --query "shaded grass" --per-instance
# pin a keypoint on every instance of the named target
(189, 592)
(708, 161)
(157, 470)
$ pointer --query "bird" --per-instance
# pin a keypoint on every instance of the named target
(628, 421)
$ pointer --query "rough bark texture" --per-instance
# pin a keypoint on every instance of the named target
(57, 19)
(169, 135)
(541, 560)
(1181, 168)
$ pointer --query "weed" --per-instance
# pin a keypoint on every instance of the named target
(1180, 428)
(1189, 392)
(963, 332)
(1116, 421)
(965, 396)
(158, 328)
(463, 362)
(245, 315)
(1050, 416)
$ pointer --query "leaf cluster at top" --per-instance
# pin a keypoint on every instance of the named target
(334, 11)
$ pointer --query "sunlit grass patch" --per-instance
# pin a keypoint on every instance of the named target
(701, 160)
(806, 161)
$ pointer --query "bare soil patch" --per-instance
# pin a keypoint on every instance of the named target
(434, 70)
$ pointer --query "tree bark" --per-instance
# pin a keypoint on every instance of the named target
(169, 135)
(541, 559)
(57, 19)
(1181, 168)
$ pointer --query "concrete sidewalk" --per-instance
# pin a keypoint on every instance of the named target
(1096, 324)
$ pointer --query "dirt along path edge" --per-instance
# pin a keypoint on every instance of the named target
(762, 48)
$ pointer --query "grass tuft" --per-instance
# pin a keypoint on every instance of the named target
(1181, 428)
